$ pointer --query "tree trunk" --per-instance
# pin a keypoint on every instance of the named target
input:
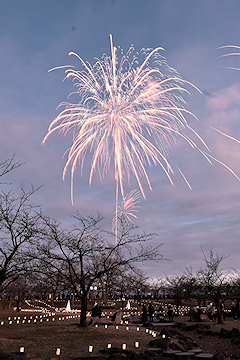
(219, 314)
(18, 305)
(83, 318)
(3, 303)
(10, 304)
(73, 299)
(2, 276)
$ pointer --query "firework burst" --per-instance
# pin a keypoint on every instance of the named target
(130, 109)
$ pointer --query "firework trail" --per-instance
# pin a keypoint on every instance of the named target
(235, 47)
(127, 210)
(233, 68)
(130, 109)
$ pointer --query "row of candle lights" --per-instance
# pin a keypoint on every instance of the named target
(91, 347)
(41, 318)
(124, 346)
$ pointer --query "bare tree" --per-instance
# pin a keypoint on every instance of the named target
(176, 289)
(233, 291)
(194, 288)
(137, 284)
(18, 227)
(85, 253)
(214, 281)
(157, 287)
(8, 165)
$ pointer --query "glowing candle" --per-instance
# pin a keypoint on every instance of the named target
(163, 336)
(105, 326)
(21, 350)
(90, 348)
(124, 346)
(137, 328)
(117, 327)
(109, 346)
(136, 344)
(58, 351)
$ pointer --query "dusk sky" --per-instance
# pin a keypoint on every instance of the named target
(37, 35)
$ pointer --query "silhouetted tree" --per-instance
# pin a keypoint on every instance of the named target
(18, 227)
(85, 253)
(8, 165)
(176, 289)
(214, 281)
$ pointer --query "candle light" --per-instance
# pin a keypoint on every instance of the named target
(163, 336)
(124, 346)
(58, 351)
(137, 328)
(136, 344)
(117, 327)
(146, 330)
(90, 348)
(21, 350)
(105, 326)
(109, 346)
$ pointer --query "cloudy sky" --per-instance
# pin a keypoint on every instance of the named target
(37, 35)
